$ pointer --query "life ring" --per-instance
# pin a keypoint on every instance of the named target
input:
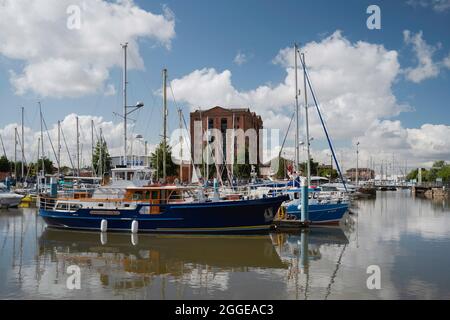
(281, 212)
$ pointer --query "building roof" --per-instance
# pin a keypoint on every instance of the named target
(228, 110)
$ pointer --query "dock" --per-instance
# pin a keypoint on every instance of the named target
(289, 224)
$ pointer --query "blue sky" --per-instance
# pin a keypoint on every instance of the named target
(209, 34)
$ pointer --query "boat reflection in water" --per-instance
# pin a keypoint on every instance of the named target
(302, 248)
(132, 260)
(307, 242)
(177, 266)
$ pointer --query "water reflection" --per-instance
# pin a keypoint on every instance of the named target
(126, 262)
(407, 237)
(300, 248)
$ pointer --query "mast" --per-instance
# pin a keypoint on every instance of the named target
(232, 152)
(207, 152)
(357, 164)
(146, 154)
(59, 147)
(78, 148)
(308, 164)
(164, 121)
(181, 147)
(15, 153)
(37, 165)
(297, 142)
(92, 146)
(124, 46)
(42, 141)
(101, 154)
(3, 147)
(23, 148)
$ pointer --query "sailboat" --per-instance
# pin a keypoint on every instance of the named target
(323, 208)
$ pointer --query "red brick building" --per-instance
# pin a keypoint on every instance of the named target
(364, 174)
(222, 119)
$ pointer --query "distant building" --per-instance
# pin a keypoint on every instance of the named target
(222, 119)
(364, 174)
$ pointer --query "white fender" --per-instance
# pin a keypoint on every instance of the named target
(134, 239)
(134, 226)
(104, 225)
(104, 238)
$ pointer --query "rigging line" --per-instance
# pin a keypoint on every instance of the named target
(49, 139)
(67, 148)
(190, 153)
(225, 167)
(30, 165)
(285, 136)
(3, 146)
(145, 80)
(323, 123)
(20, 144)
(333, 276)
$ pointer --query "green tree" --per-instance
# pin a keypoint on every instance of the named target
(444, 173)
(412, 175)
(156, 159)
(101, 159)
(312, 165)
(37, 166)
(244, 170)
(325, 172)
(5, 165)
(282, 170)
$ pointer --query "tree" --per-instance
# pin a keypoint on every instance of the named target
(282, 168)
(5, 165)
(244, 170)
(156, 159)
(101, 159)
(312, 165)
(325, 172)
(37, 167)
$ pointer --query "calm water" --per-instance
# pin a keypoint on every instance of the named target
(408, 238)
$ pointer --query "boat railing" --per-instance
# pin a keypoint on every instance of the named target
(46, 203)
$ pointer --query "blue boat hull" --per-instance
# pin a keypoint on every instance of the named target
(210, 217)
(321, 213)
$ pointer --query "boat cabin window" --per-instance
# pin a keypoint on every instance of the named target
(100, 204)
(175, 195)
(296, 195)
(75, 206)
(147, 195)
(137, 195)
(61, 206)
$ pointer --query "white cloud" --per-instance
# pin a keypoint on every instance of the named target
(353, 81)
(426, 68)
(447, 61)
(240, 58)
(63, 62)
(112, 134)
(354, 85)
(419, 145)
(436, 5)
